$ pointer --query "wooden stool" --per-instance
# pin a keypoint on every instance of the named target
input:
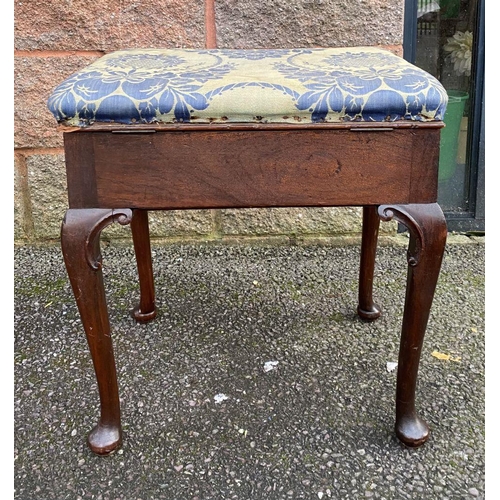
(203, 129)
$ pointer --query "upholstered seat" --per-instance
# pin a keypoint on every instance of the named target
(268, 86)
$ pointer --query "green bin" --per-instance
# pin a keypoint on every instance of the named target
(449, 134)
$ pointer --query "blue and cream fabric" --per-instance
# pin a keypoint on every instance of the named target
(270, 86)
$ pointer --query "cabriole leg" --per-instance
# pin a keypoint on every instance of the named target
(146, 309)
(427, 227)
(367, 309)
(80, 234)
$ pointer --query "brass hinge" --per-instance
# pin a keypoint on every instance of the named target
(138, 131)
(371, 129)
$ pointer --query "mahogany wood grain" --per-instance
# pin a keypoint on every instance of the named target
(367, 309)
(257, 168)
(146, 309)
(80, 170)
(424, 180)
(215, 126)
(428, 233)
(80, 235)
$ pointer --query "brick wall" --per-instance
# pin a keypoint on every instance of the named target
(53, 39)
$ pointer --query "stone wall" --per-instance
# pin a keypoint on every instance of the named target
(54, 39)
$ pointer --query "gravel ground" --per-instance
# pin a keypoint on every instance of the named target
(256, 380)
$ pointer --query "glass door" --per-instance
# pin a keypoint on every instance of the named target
(446, 38)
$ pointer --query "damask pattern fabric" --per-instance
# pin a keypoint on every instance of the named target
(270, 86)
